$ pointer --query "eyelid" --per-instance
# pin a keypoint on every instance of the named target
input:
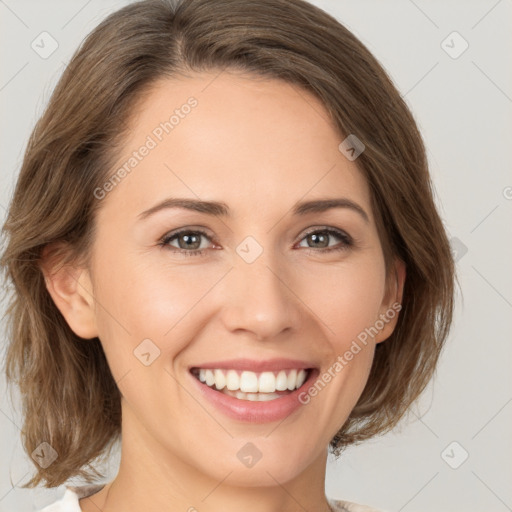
(330, 229)
(346, 244)
(188, 229)
(206, 232)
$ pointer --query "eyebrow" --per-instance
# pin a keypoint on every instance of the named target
(221, 209)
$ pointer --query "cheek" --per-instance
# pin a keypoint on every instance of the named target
(347, 304)
(150, 298)
(155, 301)
(345, 298)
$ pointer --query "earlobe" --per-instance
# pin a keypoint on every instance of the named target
(392, 303)
(71, 290)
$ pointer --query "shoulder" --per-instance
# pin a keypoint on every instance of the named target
(346, 506)
(70, 500)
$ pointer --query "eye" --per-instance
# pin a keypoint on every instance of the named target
(188, 242)
(320, 239)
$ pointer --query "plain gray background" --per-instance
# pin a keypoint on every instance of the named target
(455, 451)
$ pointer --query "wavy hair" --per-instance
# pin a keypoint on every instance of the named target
(69, 397)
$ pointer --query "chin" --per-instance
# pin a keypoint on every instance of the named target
(262, 462)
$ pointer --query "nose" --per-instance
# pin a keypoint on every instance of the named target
(258, 299)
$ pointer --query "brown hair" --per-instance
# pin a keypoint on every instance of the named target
(69, 396)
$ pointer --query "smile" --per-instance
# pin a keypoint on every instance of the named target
(252, 386)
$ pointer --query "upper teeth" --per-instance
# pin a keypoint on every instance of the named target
(251, 382)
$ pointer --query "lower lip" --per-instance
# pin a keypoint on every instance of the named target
(255, 412)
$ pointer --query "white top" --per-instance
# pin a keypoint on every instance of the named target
(69, 502)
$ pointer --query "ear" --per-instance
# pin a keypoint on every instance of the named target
(392, 303)
(71, 289)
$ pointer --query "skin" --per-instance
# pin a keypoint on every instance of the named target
(259, 146)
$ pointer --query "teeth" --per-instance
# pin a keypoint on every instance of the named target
(301, 378)
(249, 382)
(210, 379)
(252, 385)
(292, 379)
(232, 380)
(220, 379)
(281, 381)
(255, 397)
(267, 383)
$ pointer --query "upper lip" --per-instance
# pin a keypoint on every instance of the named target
(255, 365)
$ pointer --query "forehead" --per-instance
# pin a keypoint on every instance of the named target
(241, 139)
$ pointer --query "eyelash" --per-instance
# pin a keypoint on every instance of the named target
(345, 245)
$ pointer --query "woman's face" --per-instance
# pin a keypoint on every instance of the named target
(277, 287)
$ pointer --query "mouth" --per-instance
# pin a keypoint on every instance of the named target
(253, 386)
(256, 391)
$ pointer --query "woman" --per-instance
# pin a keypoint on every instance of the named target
(225, 254)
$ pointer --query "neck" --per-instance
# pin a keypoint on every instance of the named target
(155, 480)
